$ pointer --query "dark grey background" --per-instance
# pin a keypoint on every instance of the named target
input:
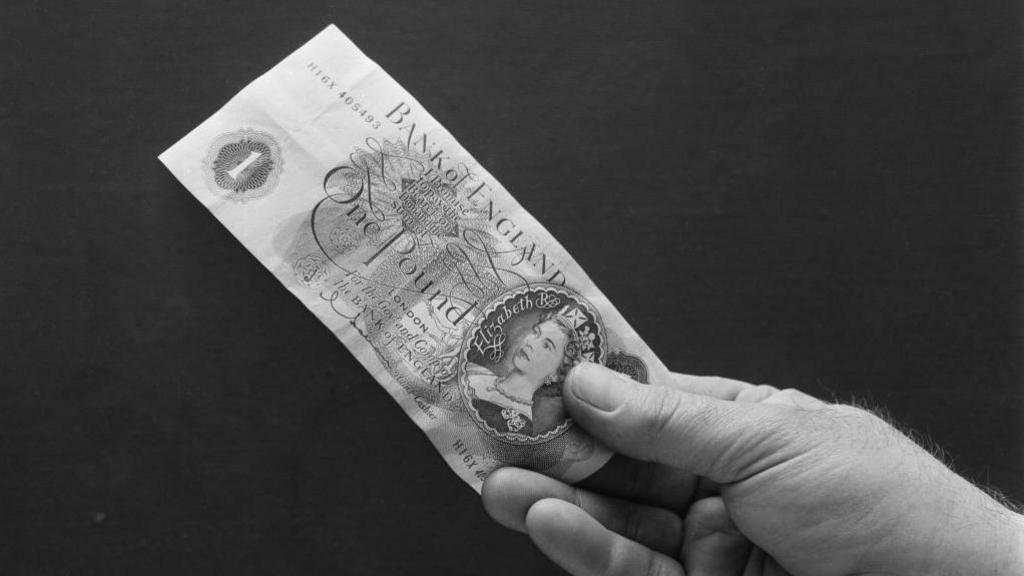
(817, 195)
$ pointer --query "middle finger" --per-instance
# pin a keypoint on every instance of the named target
(648, 482)
(509, 493)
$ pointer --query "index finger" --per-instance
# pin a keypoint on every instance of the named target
(737, 391)
(713, 386)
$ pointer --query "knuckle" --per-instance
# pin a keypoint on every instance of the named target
(853, 427)
(641, 478)
(626, 558)
(660, 408)
(578, 500)
(660, 566)
(631, 522)
(758, 393)
(793, 398)
(853, 416)
(702, 514)
(787, 393)
(620, 559)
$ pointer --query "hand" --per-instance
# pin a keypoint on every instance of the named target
(717, 477)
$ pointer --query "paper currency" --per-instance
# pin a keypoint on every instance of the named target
(453, 297)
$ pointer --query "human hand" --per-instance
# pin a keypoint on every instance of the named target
(720, 477)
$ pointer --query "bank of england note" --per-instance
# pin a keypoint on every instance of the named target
(455, 299)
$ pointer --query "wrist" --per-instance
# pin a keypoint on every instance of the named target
(1014, 547)
(987, 539)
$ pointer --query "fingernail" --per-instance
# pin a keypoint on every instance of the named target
(598, 386)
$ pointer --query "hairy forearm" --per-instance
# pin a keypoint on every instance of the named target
(964, 529)
(1008, 542)
(983, 537)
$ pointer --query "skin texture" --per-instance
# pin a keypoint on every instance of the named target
(719, 477)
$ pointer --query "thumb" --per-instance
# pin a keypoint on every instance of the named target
(721, 440)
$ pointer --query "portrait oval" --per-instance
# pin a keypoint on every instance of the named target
(516, 356)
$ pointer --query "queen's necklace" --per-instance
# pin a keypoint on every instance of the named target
(496, 387)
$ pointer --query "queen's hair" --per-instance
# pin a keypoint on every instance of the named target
(573, 350)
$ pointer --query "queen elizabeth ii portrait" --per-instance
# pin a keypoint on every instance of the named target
(527, 398)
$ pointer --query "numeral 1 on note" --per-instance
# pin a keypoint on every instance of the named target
(234, 172)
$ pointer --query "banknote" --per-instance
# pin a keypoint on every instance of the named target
(453, 297)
